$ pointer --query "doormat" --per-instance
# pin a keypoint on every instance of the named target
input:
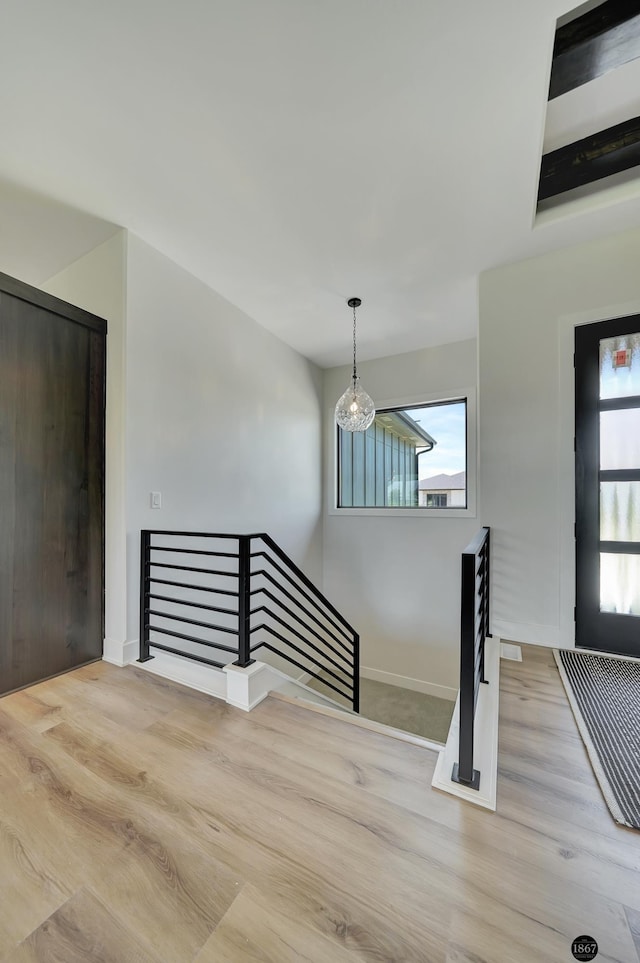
(604, 694)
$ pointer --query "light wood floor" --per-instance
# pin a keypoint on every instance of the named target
(140, 821)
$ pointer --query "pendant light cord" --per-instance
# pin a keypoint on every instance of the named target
(354, 345)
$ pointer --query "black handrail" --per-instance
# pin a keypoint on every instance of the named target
(295, 598)
(474, 629)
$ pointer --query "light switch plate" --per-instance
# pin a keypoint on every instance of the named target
(156, 499)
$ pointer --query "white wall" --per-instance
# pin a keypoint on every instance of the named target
(397, 579)
(222, 418)
(96, 282)
(528, 313)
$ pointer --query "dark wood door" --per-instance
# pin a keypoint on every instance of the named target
(608, 486)
(52, 380)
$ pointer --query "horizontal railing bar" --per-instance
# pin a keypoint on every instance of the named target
(313, 602)
(304, 668)
(477, 619)
(299, 635)
(478, 624)
(294, 615)
(196, 588)
(295, 601)
(195, 605)
(269, 628)
(186, 655)
(160, 531)
(193, 551)
(188, 568)
(204, 625)
(282, 555)
(191, 638)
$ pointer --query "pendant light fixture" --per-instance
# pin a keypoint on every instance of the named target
(355, 410)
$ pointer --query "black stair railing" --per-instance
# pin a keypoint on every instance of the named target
(474, 629)
(212, 596)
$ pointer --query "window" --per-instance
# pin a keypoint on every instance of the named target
(411, 457)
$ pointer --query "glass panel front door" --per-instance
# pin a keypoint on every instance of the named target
(620, 511)
(620, 373)
(620, 438)
(607, 363)
(620, 584)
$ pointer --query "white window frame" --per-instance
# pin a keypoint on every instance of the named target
(467, 394)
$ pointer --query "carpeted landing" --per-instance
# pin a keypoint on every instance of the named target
(423, 715)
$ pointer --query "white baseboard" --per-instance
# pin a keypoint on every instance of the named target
(406, 682)
(485, 750)
(530, 633)
(120, 653)
(204, 678)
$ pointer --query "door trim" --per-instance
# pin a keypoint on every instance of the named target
(567, 323)
(593, 625)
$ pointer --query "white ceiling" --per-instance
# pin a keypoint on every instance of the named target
(292, 153)
(40, 236)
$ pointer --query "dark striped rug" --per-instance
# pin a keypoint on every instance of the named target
(604, 694)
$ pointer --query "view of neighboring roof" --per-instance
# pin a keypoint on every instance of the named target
(444, 482)
(402, 424)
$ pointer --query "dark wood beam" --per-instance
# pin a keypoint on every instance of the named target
(591, 45)
(599, 155)
(594, 22)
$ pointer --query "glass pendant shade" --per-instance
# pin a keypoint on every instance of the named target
(355, 410)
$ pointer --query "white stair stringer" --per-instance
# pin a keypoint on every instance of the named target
(297, 689)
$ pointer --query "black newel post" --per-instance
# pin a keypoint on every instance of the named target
(463, 770)
(244, 602)
(145, 552)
